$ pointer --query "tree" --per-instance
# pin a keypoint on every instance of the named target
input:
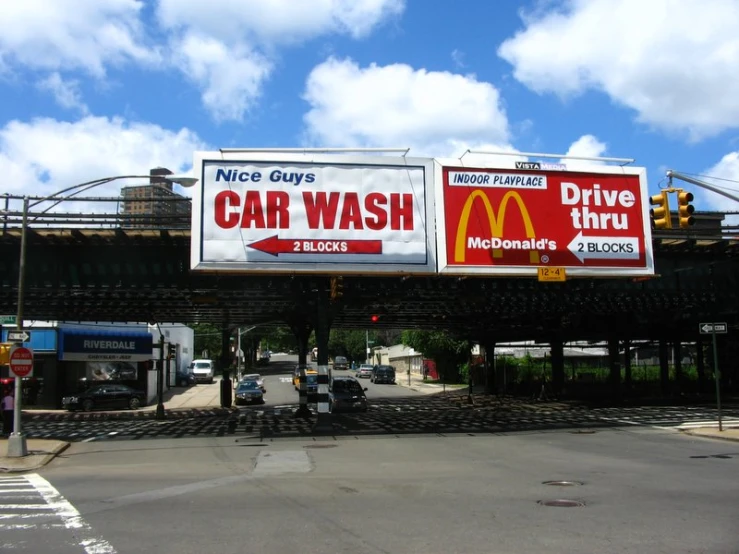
(207, 338)
(447, 351)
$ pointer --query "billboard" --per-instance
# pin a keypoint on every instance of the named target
(277, 212)
(519, 216)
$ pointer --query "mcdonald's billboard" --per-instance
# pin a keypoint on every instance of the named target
(513, 220)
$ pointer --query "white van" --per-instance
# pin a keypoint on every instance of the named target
(203, 370)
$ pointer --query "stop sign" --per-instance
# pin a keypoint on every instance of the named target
(21, 361)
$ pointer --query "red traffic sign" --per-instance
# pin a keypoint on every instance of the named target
(21, 361)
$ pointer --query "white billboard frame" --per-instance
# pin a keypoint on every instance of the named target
(509, 163)
(203, 159)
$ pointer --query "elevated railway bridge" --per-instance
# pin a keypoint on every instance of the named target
(116, 268)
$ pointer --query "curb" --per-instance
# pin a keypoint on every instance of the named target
(47, 456)
(704, 436)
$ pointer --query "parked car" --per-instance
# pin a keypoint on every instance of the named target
(254, 377)
(105, 397)
(203, 370)
(383, 374)
(249, 392)
(365, 370)
(185, 379)
(340, 362)
(345, 394)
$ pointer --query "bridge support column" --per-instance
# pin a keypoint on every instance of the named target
(664, 367)
(490, 383)
(677, 355)
(324, 424)
(226, 386)
(301, 330)
(627, 364)
(700, 365)
(614, 365)
(558, 366)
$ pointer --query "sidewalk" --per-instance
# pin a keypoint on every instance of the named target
(729, 433)
(430, 387)
(40, 453)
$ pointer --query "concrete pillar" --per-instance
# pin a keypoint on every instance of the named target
(664, 367)
(614, 365)
(301, 330)
(627, 364)
(558, 366)
(226, 386)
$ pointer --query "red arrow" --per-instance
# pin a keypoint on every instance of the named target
(276, 246)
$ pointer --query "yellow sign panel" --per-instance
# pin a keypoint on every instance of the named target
(552, 274)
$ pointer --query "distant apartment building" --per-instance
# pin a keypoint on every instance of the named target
(155, 204)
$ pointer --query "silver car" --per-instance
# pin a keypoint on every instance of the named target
(249, 392)
(364, 371)
(255, 377)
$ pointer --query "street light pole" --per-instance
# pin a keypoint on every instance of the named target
(17, 446)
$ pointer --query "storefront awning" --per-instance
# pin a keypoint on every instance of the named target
(101, 346)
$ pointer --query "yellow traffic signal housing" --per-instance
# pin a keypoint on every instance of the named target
(685, 209)
(5, 353)
(337, 287)
(661, 217)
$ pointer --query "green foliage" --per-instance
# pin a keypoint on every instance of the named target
(440, 346)
(349, 343)
(207, 337)
(278, 339)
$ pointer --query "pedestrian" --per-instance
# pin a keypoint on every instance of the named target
(8, 405)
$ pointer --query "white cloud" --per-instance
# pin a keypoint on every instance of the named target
(66, 92)
(672, 61)
(727, 171)
(458, 59)
(278, 21)
(587, 146)
(60, 35)
(44, 156)
(228, 47)
(436, 113)
(230, 78)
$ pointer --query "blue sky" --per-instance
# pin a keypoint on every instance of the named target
(90, 88)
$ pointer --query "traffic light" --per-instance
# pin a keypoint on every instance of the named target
(337, 287)
(374, 318)
(661, 218)
(172, 350)
(685, 209)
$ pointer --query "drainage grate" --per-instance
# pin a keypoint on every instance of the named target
(320, 446)
(562, 503)
(563, 483)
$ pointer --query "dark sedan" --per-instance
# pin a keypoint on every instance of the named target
(185, 379)
(249, 392)
(345, 394)
(105, 397)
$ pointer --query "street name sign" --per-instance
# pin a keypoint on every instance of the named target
(514, 218)
(18, 336)
(710, 328)
(7, 319)
(21, 361)
(275, 212)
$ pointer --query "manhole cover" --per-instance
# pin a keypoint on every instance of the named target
(563, 483)
(562, 503)
(320, 446)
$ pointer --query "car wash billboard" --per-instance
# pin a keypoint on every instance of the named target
(520, 216)
(277, 212)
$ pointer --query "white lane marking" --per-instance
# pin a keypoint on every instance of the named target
(70, 517)
(286, 379)
(284, 461)
(28, 526)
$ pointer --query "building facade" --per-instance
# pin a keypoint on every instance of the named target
(155, 204)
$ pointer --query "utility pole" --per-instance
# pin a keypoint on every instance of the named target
(366, 349)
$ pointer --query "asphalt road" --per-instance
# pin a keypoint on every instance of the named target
(642, 490)
(278, 373)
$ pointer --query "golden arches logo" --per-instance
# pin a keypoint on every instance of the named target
(496, 223)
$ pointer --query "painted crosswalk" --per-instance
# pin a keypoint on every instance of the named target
(31, 508)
